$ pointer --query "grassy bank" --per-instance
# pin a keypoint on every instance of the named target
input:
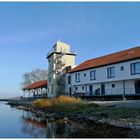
(65, 104)
(70, 106)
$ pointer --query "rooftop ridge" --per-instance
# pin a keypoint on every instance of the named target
(123, 55)
(112, 53)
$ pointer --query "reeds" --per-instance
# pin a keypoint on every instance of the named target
(61, 100)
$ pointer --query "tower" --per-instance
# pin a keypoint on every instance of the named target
(59, 58)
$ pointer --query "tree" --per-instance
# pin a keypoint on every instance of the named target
(33, 76)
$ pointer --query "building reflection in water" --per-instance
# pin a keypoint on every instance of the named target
(33, 126)
(38, 128)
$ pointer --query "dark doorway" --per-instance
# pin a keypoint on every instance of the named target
(90, 89)
(102, 88)
(137, 87)
(70, 91)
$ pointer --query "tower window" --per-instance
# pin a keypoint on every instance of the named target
(50, 80)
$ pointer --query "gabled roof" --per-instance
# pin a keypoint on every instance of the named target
(35, 85)
(117, 57)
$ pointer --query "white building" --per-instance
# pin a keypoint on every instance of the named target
(113, 74)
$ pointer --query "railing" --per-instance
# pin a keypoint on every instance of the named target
(118, 91)
(121, 91)
(52, 50)
(73, 52)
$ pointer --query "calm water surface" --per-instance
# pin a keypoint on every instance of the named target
(16, 123)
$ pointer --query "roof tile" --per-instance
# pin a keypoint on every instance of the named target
(37, 84)
(117, 57)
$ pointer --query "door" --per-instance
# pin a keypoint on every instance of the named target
(137, 87)
(90, 89)
(102, 88)
(70, 91)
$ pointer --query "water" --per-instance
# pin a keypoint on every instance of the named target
(16, 123)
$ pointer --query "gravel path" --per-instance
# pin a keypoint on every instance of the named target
(123, 103)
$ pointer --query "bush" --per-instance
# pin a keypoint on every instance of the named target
(60, 100)
(42, 103)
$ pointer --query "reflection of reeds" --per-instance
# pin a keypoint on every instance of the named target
(43, 103)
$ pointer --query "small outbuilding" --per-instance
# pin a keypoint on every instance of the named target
(37, 89)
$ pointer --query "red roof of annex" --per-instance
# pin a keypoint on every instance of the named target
(117, 57)
(35, 85)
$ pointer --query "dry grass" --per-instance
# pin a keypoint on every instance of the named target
(66, 100)
(42, 103)
(61, 100)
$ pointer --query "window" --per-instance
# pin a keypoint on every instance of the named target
(92, 75)
(111, 72)
(84, 74)
(135, 68)
(76, 88)
(83, 88)
(69, 80)
(77, 77)
(50, 80)
(113, 85)
(122, 68)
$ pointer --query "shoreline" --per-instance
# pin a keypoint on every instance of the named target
(52, 116)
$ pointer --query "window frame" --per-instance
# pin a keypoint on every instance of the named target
(93, 75)
(122, 68)
(85, 74)
(109, 74)
(133, 68)
(77, 77)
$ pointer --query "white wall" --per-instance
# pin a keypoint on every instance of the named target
(109, 90)
(130, 87)
(101, 74)
(101, 77)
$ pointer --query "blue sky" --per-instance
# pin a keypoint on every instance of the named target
(29, 30)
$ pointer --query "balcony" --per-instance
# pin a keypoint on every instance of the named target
(51, 51)
(63, 52)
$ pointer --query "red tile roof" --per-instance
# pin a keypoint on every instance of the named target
(117, 57)
(35, 85)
